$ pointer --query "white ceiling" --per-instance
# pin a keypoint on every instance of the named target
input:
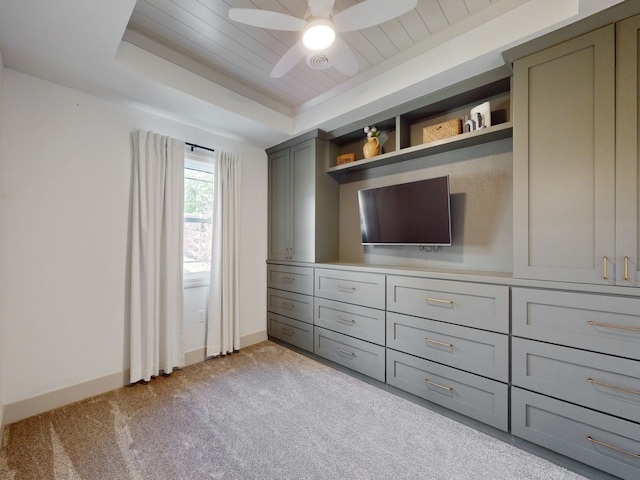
(183, 59)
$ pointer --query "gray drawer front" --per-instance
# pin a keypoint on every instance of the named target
(477, 351)
(354, 320)
(360, 288)
(363, 357)
(565, 373)
(566, 429)
(587, 321)
(476, 397)
(291, 331)
(290, 304)
(468, 304)
(291, 278)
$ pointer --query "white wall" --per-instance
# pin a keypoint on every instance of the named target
(66, 171)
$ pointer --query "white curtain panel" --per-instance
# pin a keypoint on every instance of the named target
(156, 295)
(223, 321)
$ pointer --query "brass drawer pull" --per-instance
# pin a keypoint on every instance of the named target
(346, 288)
(436, 342)
(593, 440)
(615, 387)
(604, 268)
(288, 279)
(448, 389)
(344, 352)
(610, 325)
(626, 268)
(346, 320)
(288, 331)
(288, 305)
(438, 300)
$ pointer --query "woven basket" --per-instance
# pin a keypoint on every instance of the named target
(442, 130)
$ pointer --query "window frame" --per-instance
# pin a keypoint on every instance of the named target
(204, 162)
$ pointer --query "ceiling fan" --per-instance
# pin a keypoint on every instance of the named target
(319, 29)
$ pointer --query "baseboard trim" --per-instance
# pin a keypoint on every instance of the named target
(194, 356)
(253, 338)
(1, 426)
(28, 407)
(48, 401)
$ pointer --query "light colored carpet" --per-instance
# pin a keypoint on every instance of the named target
(263, 413)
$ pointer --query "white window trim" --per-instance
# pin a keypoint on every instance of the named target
(204, 162)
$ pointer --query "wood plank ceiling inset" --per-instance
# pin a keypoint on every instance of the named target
(197, 35)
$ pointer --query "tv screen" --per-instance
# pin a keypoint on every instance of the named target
(415, 213)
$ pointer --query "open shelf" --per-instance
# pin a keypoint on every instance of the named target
(477, 137)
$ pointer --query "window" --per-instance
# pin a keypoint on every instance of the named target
(198, 207)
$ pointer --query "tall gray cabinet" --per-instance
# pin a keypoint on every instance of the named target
(303, 202)
(564, 161)
(627, 152)
(576, 159)
(575, 383)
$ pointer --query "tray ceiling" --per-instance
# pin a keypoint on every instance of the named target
(198, 36)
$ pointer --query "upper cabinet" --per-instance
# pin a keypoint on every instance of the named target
(628, 152)
(403, 125)
(575, 176)
(303, 203)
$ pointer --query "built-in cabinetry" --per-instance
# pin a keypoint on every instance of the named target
(447, 342)
(550, 354)
(576, 376)
(303, 201)
(627, 152)
(349, 320)
(404, 124)
(290, 304)
(575, 170)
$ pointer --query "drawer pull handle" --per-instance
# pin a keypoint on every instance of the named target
(615, 387)
(288, 331)
(344, 352)
(288, 279)
(346, 320)
(448, 389)
(436, 342)
(604, 268)
(288, 305)
(440, 301)
(593, 440)
(610, 325)
(626, 268)
(346, 288)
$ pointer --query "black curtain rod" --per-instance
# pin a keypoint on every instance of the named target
(193, 145)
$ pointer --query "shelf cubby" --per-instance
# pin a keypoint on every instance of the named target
(404, 125)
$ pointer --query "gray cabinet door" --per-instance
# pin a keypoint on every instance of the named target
(279, 205)
(564, 161)
(627, 154)
(303, 201)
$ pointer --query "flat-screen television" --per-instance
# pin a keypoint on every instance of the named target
(414, 213)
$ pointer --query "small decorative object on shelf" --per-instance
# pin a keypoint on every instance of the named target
(442, 130)
(346, 158)
(480, 117)
(375, 140)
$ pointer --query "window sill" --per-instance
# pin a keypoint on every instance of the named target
(195, 281)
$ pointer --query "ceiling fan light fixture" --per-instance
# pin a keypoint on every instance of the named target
(318, 34)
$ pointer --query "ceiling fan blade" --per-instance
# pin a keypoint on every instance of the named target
(320, 8)
(266, 19)
(342, 58)
(370, 13)
(289, 60)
